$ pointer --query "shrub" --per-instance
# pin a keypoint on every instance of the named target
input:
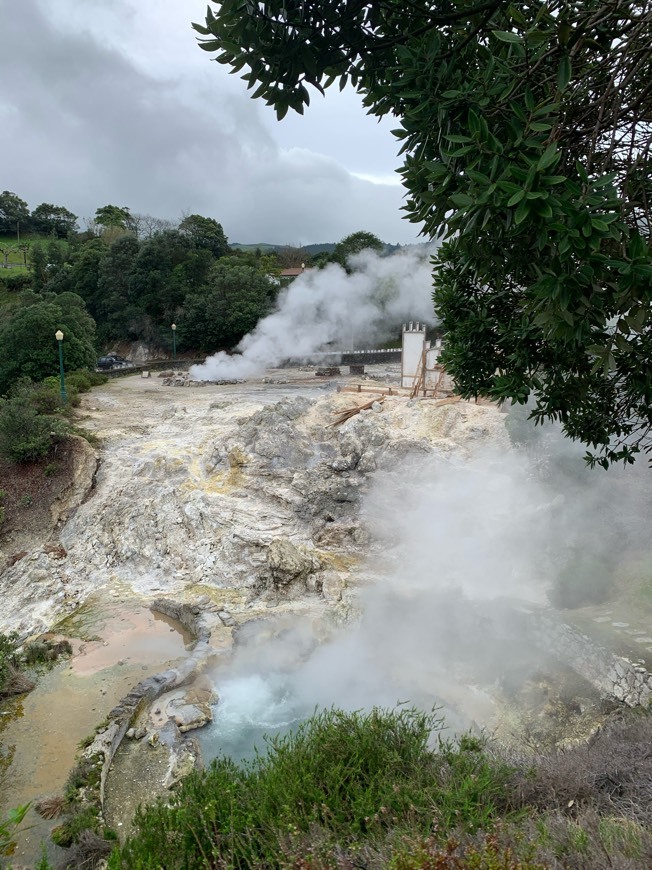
(25, 433)
(45, 396)
(7, 656)
(352, 776)
(96, 378)
(80, 380)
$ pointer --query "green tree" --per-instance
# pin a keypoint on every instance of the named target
(53, 220)
(113, 300)
(235, 298)
(355, 244)
(115, 216)
(28, 342)
(39, 262)
(205, 233)
(85, 271)
(14, 213)
(168, 267)
(526, 135)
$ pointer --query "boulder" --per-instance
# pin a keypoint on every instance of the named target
(288, 563)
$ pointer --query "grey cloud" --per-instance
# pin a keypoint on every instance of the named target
(84, 126)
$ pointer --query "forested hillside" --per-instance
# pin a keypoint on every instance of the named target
(129, 277)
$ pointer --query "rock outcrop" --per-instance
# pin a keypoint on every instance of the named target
(246, 501)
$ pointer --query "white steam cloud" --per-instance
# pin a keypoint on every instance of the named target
(328, 307)
(460, 550)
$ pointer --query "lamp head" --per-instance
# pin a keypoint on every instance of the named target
(58, 335)
(174, 326)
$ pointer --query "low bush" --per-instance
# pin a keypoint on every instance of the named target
(31, 421)
(7, 656)
(96, 378)
(25, 435)
(12, 681)
(352, 777)
(80, 380)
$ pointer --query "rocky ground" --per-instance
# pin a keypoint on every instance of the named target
(246, 493)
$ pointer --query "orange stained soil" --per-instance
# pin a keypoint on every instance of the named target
(40, 732)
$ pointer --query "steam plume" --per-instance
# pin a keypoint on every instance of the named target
(328, 307)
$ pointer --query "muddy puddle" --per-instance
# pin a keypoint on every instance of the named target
(115, 646)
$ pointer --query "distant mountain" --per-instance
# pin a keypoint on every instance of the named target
(262, 246)
(311, 250)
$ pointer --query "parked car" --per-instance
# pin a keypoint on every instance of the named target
(112, 361)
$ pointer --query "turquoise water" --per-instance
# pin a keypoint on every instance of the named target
(249, 708)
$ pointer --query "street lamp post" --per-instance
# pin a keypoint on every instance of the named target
(174, 341)
(59, 337)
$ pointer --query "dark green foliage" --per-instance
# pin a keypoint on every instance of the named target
(8, 643)
(521, 150)
(13, 211)
(167, 268)
(30, 420)
(351, 776)
(15, 283)
(51, 219)
(25, 435)
(28, 338)
(354, 244)
(232, 303)
(112, 301)
(80, 380)
(85, 272)
(83, 819)
(39, 263)
(205, 233)
(114, 216)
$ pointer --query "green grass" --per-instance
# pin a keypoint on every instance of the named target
(343, 779)
(16, 256)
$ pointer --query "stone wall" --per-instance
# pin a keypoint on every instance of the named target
(615, 677)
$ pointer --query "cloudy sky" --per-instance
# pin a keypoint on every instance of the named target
(111, 101)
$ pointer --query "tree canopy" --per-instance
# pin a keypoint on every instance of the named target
(27, 336)
(53, 220)
(355, 244)
(205, 233)
(115, 216)
(13, 211)
(527, 135)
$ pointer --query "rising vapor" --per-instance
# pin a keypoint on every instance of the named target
(328, 308)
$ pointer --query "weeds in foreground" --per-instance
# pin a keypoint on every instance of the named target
(370, 791)
(356, 778)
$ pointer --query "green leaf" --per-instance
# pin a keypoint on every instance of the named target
(564, 73)
(522, 212)
(457, 138)
(507, 36)
(548, 157)
(462, 199)
(516, 198)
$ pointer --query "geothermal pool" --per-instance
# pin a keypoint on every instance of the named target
(251, 707)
